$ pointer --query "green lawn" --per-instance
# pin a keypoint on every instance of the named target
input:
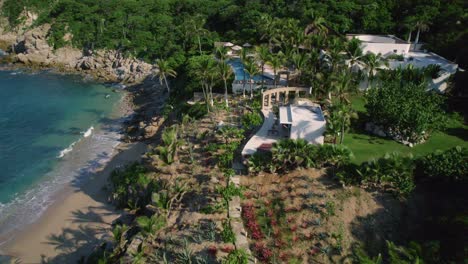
(366, 147)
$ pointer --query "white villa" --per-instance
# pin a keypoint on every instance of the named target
(412, 54)
(297, 118)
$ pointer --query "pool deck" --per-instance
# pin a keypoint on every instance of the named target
(307, 123)
(262, 136)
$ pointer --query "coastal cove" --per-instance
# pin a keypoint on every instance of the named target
(56, 132)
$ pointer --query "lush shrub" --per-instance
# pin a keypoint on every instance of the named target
(251, 120)
(237, 256)
(227, 234)
(405, 110)
(151, 225)
(132, 186)
(392, 172)
(290, 154)
(167, 151)
(397, 57)
(197, 111)
(333, 155)
(260, 162)
(449, 165)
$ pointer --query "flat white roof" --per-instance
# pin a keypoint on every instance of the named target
(306, 120)
(307, 123)
(377, 38)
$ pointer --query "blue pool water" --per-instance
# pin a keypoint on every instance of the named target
(238, 68)
(54, 129)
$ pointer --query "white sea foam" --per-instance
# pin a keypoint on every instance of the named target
(88, 132)
(64, 152)
(90, 155)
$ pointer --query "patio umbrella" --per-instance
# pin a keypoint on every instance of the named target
(228, 44)
(236, 48)
(247, 45)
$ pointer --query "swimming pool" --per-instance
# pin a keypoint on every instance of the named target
(238, 68)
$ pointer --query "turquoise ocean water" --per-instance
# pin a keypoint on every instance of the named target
(54, 130)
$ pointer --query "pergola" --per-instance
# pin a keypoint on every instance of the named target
(273, 95)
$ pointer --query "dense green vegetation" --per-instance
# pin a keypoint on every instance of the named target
(179, 35)
(406, 111)
(153, 29)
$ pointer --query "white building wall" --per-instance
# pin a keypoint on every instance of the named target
(386, 48)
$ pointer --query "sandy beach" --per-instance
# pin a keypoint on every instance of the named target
(76, 222)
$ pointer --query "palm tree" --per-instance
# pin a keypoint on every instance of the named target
(244, 59)
(373, 62)
(251, 69)
(262, 54)
(335, 53)
(198, 30)
(317, 26)
(221, 53)
(226, 71)
(339, 120)
(344, 85)
(276, 62)
(354, 52)
(205, 72)
(422, 26)
(164, 71)
(268, 29)
(299, 60)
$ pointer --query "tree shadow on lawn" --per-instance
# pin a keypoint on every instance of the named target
(459, 132)
(367, 138)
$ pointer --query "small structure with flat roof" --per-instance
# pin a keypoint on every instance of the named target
(304, 120)
(301, 119)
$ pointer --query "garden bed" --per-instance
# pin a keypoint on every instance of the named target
(304, 216)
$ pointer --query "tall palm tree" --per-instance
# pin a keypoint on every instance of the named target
(335, 53)
(421, 26)
(251, 69)
(198, 30)
(226, 71)
(221, 53)
(344, 85)
(268, 29)
(372, 62)
(276, 61)
(206, 71)
(165, 70)
(262, 54)
(299, 61)
(244, 59)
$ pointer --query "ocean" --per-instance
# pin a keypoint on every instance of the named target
(55, 130)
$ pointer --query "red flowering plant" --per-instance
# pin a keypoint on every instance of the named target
(264, 254)
(248, 214)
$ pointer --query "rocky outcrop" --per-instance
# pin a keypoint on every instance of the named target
(111, 65)
(32, 49)
(379, 130)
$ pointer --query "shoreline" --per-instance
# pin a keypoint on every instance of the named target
(78, 217)
(77, 220)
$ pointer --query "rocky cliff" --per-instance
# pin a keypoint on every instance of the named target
(30, 47)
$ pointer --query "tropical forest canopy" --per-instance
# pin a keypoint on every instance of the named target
(151, 29)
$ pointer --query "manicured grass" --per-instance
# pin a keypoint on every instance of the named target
(366, 147)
